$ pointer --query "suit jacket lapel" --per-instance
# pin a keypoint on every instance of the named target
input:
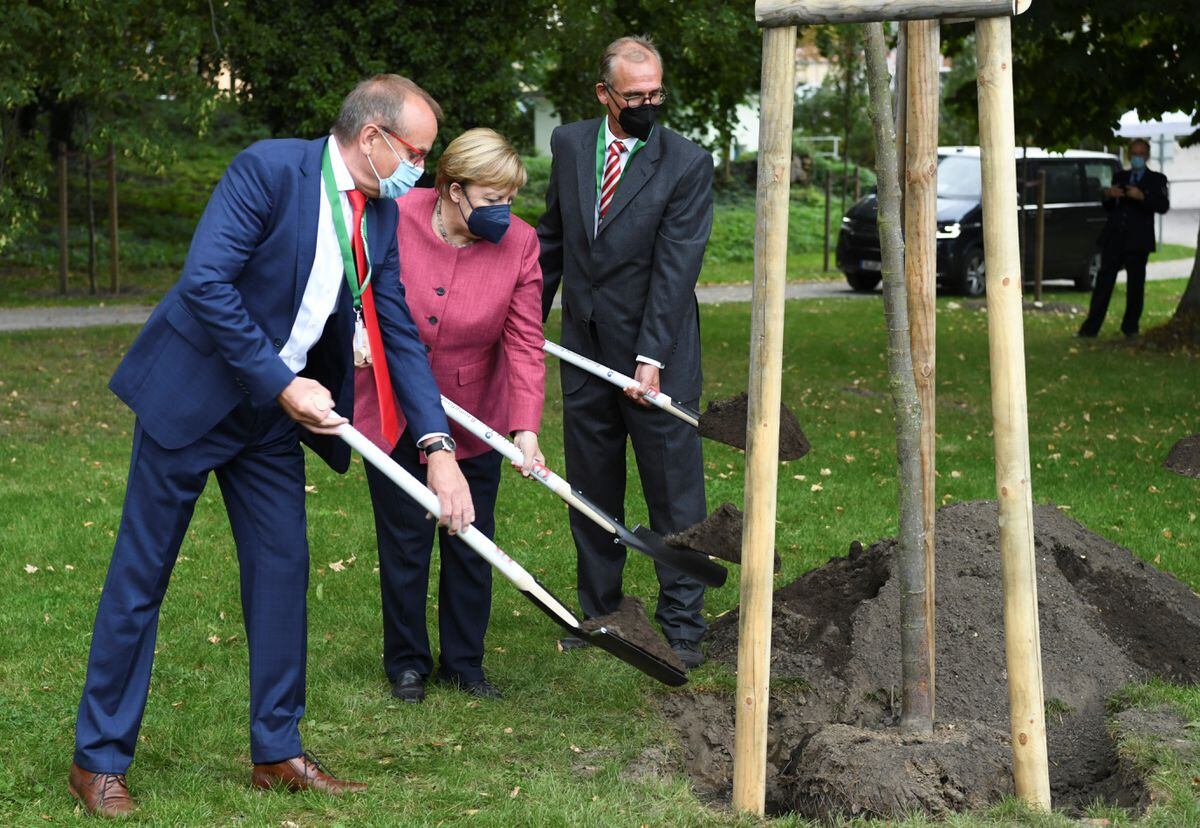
(638, 171)
(586, 170)
(310, 213)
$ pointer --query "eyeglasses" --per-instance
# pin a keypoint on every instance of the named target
(654, 98)
(415, 156)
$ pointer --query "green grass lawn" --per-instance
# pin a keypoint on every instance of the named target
(552, 752)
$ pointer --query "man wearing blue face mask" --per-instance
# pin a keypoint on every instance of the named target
(1127, 240)
(247, 356)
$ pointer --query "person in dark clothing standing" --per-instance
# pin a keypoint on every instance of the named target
(628, 214)
(1127, 241)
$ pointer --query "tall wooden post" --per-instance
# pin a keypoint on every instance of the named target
(828, 197)
(901, 102)
(1006, 339)
(762, 428)
(63, 215)
(91, 221)
(114, 266)
(924, 58)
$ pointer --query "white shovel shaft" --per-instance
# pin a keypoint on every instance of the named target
(506, 448)
(654, 396)
(471, 536)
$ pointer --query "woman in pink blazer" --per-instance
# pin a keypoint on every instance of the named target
(472, 281)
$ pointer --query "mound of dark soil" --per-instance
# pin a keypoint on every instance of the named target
(1107, 618)
(719, 535)
(725, 422)
(630, 623)
(1184, 457)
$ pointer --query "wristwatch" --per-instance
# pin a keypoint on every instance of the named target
(440, 444)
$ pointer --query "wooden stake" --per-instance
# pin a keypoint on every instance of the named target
(924, 58)
(901, 103)
(1039, 239)
(91, 221)
(1010, 424)
(63, 215)
(114, 266)
(801, 12)
(762, 427)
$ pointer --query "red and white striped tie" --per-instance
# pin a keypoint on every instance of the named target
(612, 174)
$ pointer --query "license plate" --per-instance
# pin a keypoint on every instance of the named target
(868, 264)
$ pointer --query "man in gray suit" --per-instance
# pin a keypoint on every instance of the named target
(628, 213)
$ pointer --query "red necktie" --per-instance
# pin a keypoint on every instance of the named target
(612, 173)
(383, 382)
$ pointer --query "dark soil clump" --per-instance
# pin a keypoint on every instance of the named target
(725, 422)
(719, 535)
(1184, 457)
(630, 623)
(1107, 619)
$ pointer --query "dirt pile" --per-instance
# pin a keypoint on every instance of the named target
(630, 623)
(1107, 618)
(719, 535)
(1184, 457)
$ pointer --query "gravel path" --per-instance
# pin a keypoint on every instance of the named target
(27, 319)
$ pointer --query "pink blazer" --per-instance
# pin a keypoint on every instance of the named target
(479, 312)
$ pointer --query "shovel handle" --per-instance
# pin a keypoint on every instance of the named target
(654, 396)
(540, 473)
(471, 536)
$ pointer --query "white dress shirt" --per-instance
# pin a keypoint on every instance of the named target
(327, 275)
(622, 160)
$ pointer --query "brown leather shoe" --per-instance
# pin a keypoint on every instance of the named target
(302, 773)
(103, 794)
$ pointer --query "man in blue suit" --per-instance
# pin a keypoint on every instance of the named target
(252, 343)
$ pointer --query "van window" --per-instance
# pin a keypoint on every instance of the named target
(958, 177)
(1096, 176)
(1062, 183)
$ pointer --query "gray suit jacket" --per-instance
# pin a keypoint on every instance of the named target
(635, 278)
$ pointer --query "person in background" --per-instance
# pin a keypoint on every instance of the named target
(472, 280)
(628, 213)
(1127, 240)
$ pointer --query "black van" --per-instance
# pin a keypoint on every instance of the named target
(1074, 219)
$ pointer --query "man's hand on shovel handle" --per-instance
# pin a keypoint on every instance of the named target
(647, 377)
(308, 402)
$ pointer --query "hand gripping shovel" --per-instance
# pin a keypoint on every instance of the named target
(688, 561)
(723, 421)
(603, 638)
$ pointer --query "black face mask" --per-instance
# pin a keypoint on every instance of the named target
(638, 120)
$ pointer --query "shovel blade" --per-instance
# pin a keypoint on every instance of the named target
(626, 651)
(688, 561)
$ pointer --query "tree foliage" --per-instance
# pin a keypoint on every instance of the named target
(712, 53)
(87, 72)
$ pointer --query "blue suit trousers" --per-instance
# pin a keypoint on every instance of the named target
(256, 455)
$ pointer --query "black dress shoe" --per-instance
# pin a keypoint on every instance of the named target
(687, 651)
(409, 687)
(482, 689)
(571, 642)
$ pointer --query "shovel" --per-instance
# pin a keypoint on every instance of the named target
(682, 558)
(723, 421)
(603, 638)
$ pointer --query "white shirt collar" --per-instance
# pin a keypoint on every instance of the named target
(341, 173)
(609, 137)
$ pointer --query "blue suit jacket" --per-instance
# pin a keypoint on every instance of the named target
(214, 339)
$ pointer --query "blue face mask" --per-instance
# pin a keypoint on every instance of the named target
(489, 221)
(1137, 162)
(400, 181)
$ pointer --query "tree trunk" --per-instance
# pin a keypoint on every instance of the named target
(916, 699)
(1189, 303)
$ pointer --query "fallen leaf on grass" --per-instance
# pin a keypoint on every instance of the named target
(310, 489)
(817, 487)
(30, 568)
(214, 639)
(513, 793)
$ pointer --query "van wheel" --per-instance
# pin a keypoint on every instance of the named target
(864, 282)
(1088, 280)
(972, 281)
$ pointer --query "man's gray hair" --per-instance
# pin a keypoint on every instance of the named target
(635, 49)
(379, 100)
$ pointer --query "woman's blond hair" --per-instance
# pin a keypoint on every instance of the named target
(482, 157)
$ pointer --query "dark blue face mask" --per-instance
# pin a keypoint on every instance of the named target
(489, 221)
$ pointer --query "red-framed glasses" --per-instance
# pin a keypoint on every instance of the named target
(416, 156)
